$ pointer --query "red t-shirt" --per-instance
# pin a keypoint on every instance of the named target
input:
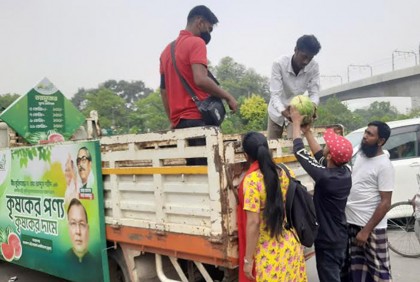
(189, 49)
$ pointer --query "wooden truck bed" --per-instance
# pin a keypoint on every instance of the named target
(155, 203)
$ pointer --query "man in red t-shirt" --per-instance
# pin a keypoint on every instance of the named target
(191, 60)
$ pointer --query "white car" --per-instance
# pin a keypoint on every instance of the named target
(403, 147)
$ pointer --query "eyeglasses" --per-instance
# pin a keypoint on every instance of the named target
(78, 225)
(82, 159)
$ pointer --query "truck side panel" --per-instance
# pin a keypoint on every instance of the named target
(153, 200)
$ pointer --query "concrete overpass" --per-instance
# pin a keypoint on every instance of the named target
(399, 83)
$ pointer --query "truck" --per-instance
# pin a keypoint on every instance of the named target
(164, 220)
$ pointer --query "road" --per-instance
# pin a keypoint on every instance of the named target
(404, 269)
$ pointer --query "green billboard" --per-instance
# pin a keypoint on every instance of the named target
(51, 210)
(43, 115)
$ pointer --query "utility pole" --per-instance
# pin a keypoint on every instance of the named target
(360, 67)
(332, 76)
(397, 52)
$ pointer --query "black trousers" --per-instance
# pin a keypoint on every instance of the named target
(187, 123)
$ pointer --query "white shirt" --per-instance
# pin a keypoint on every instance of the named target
(370, 176)
(89, 182)
(285, 84)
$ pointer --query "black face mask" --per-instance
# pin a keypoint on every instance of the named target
(206, 37)
(369, 150)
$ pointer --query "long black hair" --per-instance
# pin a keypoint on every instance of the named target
(256, 147)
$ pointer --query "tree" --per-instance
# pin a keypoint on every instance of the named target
(229, 70)
(113, 115)
(150, 114)
(233, 123)
(7, 99)
(131, 92)
(254, 112)
(414, 113)
(382, 111)
(334, 111)
(239, 81)
(255, 83)
(111, 109)
(79, 99)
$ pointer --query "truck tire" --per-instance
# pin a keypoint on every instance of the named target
(118, 271)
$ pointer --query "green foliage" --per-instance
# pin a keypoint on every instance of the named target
(111, 109)
(232, 124)
(28, 154)
(131, 92)
(150, 114)
(7, 99)
(382, 111)
(130, 107)
(254, 83)
(3, 238)
(229, 70)
(79, 98)
(228, 125)
(334, 111)
(254, 112)
(239, 81)
(414, 113)
(115, 102)
(4, 234)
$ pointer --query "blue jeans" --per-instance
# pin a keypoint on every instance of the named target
(329, 263)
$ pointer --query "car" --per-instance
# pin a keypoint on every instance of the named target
(403, 147)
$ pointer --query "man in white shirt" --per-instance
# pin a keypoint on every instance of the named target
(367, 205)
(292, 76)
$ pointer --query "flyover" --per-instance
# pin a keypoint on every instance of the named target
(399, 83)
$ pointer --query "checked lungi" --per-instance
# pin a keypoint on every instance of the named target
(370, 262)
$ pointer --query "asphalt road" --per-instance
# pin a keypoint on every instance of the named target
(404, 269)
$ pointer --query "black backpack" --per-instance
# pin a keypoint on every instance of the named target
(300, 210)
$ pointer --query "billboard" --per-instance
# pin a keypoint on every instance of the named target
(43, 115)
(51, 210)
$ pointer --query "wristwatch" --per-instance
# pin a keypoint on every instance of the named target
(247, 261)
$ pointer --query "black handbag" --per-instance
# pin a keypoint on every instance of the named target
(212, 109)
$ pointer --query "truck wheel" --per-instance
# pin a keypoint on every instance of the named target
(118, 271)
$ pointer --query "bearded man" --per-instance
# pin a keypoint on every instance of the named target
(367, 205)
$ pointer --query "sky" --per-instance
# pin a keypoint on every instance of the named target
(82, 43)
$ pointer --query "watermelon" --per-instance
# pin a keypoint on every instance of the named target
(55, 137)
(7, 251)
(305, 107)
(14, 241)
